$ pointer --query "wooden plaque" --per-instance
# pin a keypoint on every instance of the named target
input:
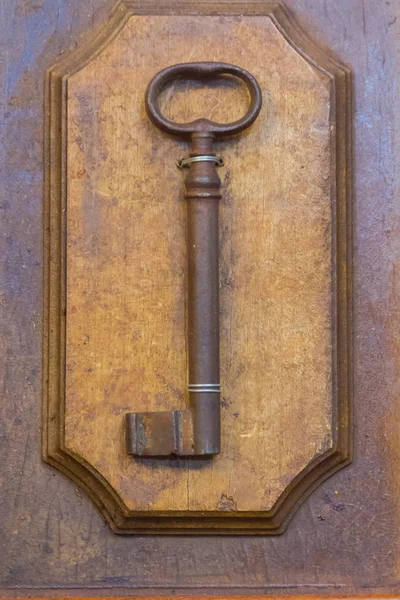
(115, 309)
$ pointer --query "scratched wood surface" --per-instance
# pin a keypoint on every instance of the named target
(345, 537)
(126, 257)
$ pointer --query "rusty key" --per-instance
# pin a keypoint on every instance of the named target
(195, 431)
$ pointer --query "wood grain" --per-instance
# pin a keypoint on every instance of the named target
(345, 537)
(283, 257)
(271, 597)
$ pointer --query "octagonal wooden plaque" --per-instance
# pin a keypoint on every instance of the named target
(115, 287)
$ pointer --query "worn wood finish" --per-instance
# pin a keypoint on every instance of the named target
(344, 538)
(284, 256)
(254, 597)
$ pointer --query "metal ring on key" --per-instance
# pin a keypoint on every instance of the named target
(204, 388)
(201, 71)
(186, 162)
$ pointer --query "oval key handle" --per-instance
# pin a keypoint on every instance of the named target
(201, 71)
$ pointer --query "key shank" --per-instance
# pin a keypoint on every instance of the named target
(194, 431)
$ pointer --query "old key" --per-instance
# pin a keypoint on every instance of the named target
(195, 431)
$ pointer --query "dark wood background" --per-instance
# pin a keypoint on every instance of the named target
(345, 538)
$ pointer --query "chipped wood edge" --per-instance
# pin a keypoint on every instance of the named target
(120, 518)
